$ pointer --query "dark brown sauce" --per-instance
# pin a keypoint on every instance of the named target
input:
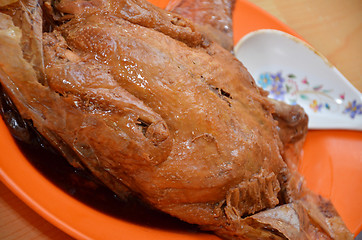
(79, 183)
(82, 186)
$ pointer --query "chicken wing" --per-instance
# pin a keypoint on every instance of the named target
(213, 18)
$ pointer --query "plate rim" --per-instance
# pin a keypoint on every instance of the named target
(14, 184)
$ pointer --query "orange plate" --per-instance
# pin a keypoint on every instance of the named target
(332, 166)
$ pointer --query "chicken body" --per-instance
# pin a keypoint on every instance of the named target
(207, 134)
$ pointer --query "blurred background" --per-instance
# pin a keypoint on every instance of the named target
(333, 27)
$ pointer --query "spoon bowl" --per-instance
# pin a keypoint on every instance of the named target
(294, 72)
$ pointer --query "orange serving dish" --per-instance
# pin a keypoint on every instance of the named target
(331, 164)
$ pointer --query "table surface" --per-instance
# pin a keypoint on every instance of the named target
(334, 27)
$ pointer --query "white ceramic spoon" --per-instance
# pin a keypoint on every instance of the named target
(294, 72)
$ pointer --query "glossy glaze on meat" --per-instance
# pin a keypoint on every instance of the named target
(212, 17)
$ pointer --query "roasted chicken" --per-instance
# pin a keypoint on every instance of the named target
(154, 107)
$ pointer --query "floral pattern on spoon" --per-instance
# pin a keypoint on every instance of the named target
(291, 89)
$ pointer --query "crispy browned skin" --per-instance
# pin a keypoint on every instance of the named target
(212, 17)
(184, 128)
